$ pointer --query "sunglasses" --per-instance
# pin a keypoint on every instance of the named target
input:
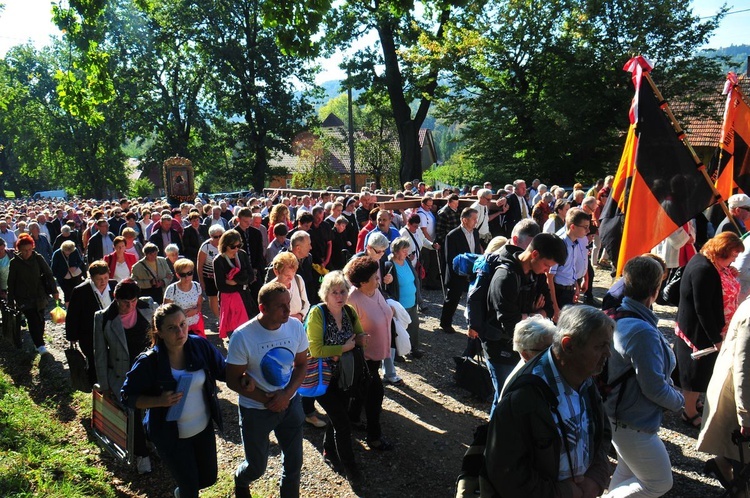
(216, 236)
(236, 246)
(186, 274)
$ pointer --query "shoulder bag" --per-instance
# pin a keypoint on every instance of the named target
(318, 374)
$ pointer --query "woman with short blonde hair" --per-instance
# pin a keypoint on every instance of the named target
(188, 295)
(285, 266)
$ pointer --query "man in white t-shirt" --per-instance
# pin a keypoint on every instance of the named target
(266, 363)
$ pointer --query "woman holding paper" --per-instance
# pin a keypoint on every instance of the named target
(175, 383)
(709, 292)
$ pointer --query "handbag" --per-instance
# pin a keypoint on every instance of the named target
(317, 377)
(12, 325)
(319, 371)
(79, 377)
(418, 266)
(353, 374)
(419, 269)
(472, 374)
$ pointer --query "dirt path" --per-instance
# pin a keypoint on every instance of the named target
(430, 421)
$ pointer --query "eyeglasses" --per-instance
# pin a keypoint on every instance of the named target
(216, 236)
(186, 274)
(382, 251)
(587, 227)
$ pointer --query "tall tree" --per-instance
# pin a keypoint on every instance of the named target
(163, 71)
(51, 146)
(411, 35)
(253, 80)
(540, 88)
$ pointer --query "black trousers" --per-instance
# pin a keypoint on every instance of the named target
(590, 291)
(35, 322)
(456, 286)
(338, 437)
(429, 259)
(372, 402)
(564, 296)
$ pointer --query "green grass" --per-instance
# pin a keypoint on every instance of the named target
(38, 456)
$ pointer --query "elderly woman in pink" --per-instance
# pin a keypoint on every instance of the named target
(375, 316)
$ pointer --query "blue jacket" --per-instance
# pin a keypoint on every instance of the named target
(638, 344)
(60, 266)
(151, 375)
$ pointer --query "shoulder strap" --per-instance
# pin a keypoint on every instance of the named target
(416, 245)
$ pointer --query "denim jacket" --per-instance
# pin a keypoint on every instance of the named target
(151, 375)
(638, 344)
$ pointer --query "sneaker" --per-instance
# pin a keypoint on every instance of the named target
(315, 421)
(176, 492)
(42, 350)
(143, 464)
(417, 353)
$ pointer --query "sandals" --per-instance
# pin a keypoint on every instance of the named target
(691, 421)
(380, 445)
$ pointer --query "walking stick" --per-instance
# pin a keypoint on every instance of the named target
(440, 272)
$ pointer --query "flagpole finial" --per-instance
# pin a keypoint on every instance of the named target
(638, 62)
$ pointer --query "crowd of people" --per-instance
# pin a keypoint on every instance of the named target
(322, 279)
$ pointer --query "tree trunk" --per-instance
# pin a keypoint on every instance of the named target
(411, 164)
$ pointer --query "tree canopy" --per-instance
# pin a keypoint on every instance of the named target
(521, 88)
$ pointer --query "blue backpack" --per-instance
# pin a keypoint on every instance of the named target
(463, 264)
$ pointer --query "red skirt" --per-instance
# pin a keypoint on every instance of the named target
(232, 313)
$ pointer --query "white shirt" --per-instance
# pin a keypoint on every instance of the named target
(524, 207)
(427, 221)
(421, 242)
(102, 297)
(195, 415)
(483, 223)
(267, 354)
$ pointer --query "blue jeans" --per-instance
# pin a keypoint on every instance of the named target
(255, 426)
(390, 366)
(500, 363)
(191, 461)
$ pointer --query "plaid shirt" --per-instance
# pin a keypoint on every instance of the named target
(447, 220)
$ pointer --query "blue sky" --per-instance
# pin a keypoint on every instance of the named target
(29, 20)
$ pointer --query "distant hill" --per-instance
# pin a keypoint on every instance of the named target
(737, 54)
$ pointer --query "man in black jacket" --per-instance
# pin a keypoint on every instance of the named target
(517, 290)
(463, 239)
(100, 243)
(94, 294)
(252, 243)
(166, 235)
